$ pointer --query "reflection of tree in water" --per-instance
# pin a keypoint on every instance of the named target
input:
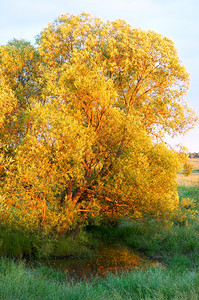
(108, 259)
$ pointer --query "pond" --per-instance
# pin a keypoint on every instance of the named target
(108, 258)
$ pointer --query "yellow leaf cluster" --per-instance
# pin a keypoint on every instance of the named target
(83, 117)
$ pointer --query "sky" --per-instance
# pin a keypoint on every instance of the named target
(176, 19)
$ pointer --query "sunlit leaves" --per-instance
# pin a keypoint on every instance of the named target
(81, 118)
(7, 100)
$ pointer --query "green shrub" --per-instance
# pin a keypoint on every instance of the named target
(74, 246)
(15, 243)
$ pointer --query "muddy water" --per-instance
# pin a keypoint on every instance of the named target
(107, 259)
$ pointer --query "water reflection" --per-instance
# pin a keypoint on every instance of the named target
(107, 259)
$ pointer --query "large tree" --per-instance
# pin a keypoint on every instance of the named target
(85, 118)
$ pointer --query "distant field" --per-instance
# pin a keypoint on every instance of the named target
(195, 162)
(193, 179)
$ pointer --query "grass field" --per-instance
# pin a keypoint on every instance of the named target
(176, 276)
(17, 283)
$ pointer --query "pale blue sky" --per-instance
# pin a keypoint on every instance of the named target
(176, 19)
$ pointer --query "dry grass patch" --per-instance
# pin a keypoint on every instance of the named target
(195, 162)
(193, 178)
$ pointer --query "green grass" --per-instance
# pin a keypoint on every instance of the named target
(189, 191)
(176, 247)
(80, 246)
(19, 282)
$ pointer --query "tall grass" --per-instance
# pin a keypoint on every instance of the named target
(19, 282)
(189, 191)
(21, 243)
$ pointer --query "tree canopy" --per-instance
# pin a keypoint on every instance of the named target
(83, 116)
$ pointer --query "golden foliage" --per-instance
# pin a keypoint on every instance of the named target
(82, 117)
